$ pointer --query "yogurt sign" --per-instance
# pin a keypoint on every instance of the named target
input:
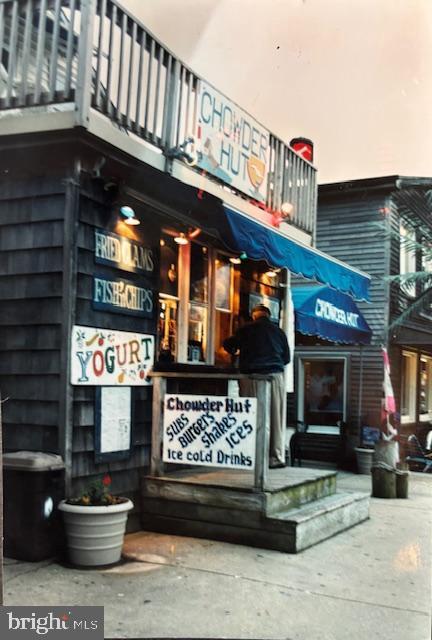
(110, 358)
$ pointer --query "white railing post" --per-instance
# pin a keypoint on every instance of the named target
(83, 93)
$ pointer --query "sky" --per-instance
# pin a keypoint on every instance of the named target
(355, 76)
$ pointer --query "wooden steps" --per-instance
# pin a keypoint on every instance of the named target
(298, 508)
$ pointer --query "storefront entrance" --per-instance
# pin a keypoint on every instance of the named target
(322, 392)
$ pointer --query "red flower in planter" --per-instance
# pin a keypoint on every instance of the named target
(98, 494)
(106, 480)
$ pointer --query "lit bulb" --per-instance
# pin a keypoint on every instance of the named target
(132, 221)
(181, 239)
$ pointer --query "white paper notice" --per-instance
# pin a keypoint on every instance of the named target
(115, 419)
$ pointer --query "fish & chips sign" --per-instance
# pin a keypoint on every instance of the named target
(111, 358)
(230, 144)
(214, 431)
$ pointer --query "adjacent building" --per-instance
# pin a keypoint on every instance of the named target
(382, 225)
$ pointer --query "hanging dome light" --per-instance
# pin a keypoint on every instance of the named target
(129, 215)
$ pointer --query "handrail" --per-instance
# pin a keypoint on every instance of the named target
(96, 55)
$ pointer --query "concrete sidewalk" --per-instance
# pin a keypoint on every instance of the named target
(372, 581)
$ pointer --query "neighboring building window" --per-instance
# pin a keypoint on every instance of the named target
(407, 257)
(425, 409)
(409, 387)
(323, 394)
(426, 260)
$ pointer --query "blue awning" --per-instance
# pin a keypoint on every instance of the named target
(260, 242)
(329, 314)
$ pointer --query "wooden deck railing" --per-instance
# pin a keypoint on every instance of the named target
(93, 54)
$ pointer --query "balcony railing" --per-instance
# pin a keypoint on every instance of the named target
(96, 55)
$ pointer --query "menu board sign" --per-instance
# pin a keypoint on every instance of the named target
(215, 431)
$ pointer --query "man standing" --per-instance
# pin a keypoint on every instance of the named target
(264, 349)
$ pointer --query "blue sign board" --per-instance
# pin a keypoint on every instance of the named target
(118, 295)
(125, 254)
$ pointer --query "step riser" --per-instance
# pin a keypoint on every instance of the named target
(331, 523)
(268, 502)
(202, 513)
(251, 528)
(200, 494)
(222, 532)
(296, 496)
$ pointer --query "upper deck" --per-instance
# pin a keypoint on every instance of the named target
(91, 64)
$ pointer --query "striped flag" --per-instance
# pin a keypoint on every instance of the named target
(389, 403)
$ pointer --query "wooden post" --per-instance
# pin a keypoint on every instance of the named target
(262, 434)
(159, 390)
(383, 481)
(83, 93)
(69, 285)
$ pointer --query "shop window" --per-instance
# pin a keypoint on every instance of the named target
(167, 330)
(198, 304)
(204, 298)
(425, 408)
(322, 392)
(407, 258)
(409, 387)
(168, 301)
(224, 307)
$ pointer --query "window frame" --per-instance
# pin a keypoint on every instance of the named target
(413, 389)
(185, 302)
(425, 417)
(407, 258)
(323, 356)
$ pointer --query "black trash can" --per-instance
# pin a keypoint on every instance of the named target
(33, 485)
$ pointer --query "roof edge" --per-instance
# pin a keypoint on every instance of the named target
(384, 183)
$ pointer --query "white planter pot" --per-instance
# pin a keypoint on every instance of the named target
(364, 459)
(95, 534)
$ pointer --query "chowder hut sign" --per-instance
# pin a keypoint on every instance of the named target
(111, 358)
(231, 145)
(214, 431)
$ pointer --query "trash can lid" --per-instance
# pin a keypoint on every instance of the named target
(32, 461)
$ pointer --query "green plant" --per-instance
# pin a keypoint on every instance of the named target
(97, 494)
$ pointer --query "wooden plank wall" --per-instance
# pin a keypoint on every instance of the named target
(125, 473)
(31, 238)
(352, 228)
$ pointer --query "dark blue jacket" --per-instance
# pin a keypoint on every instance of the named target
(263, 347)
